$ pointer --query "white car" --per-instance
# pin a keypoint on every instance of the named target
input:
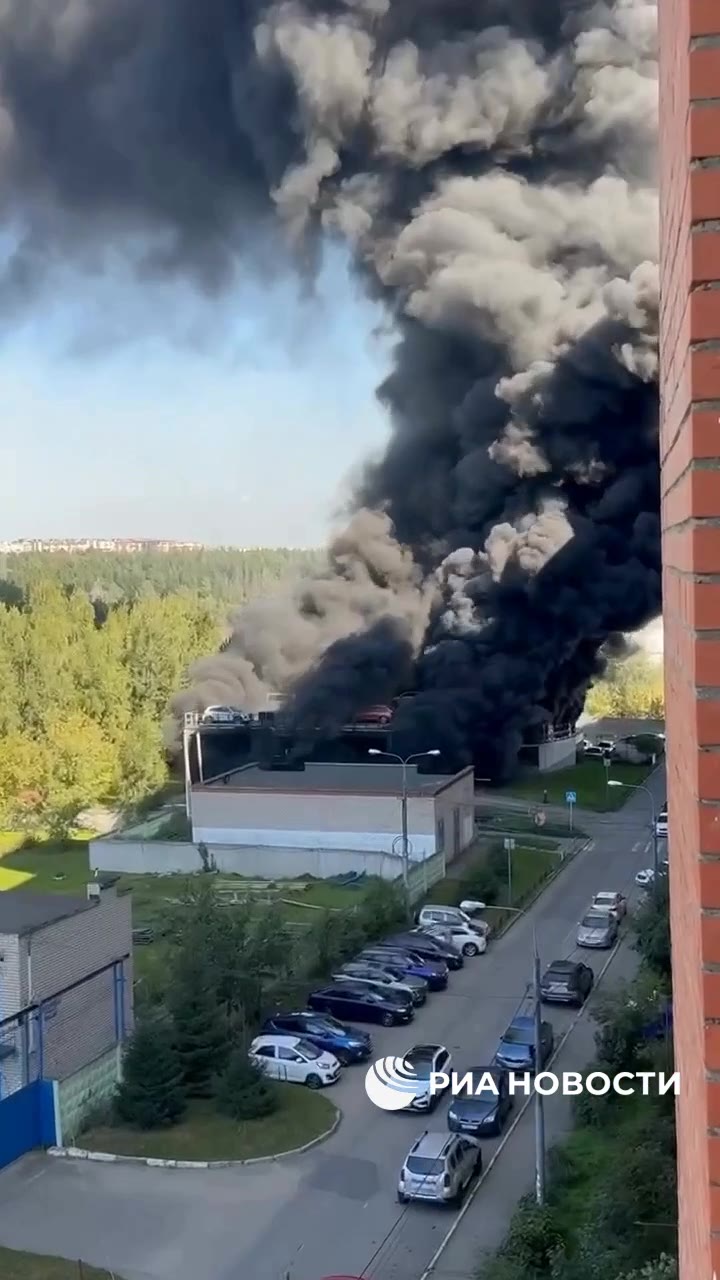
(293, 1059)
(460, 937)
(448, 916)
(615, 903)
(645, 878)
(661, 826)
(224, 715)
(425, 1060)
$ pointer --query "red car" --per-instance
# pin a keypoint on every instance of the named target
(375, 715)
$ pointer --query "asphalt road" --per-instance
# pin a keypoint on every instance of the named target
(334, 1209)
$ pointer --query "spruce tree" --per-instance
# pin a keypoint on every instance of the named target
(151, 1095)
(201, 1031)
(243, 1091)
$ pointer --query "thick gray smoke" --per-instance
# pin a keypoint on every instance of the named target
(491, 166)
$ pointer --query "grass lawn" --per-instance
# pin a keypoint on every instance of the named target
(47, 868)
(510, 823)
(34, 1266)
(204, 1134)
(587, 780)
(532, 862)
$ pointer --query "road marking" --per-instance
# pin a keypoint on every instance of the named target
(636, 846)
(647, 847)
(509, 1132)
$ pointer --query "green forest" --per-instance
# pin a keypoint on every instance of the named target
(92, 647)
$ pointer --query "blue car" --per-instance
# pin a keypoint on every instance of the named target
(516, 1050)
(347, 1044)
(434, 972)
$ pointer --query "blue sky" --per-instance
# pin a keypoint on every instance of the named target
(152, 413)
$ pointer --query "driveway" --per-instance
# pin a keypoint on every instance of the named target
(334, 1209)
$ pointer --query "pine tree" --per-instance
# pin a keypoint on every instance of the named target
(151, 1094)
(201, 1033)
(243, 1092)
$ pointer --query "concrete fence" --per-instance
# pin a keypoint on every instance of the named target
(173, 857)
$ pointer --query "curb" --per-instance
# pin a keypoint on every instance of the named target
(104, 1157)
(521, 911)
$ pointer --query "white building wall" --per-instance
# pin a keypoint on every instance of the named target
(319, 820)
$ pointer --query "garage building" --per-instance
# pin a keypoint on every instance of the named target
(335, 812)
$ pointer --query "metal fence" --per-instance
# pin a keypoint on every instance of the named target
(423, 875)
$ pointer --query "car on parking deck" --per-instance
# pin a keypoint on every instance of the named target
(459, 936)
(399, 961)
(482, 1109)
(367, 975)
(439, 1167)
(346, 1043)
(615, 903)
(597, 929)
(292, 1059)
(424, 1060)
(343, 1000)
(566, 982)
(424, 945)
(516, 1050)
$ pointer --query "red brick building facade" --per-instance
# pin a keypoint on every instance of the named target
(690, 451)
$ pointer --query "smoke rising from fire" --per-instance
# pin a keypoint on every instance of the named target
(491, 168)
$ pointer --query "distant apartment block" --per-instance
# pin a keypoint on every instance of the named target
(20, 546)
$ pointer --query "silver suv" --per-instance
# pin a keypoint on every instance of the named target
(439, 1167)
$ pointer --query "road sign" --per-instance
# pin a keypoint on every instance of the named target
(607, 761)
(571, 797)
(509, 843)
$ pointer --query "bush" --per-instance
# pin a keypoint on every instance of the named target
(151, 1095)
(243, 1092)
(481, 885)
(535, 1240)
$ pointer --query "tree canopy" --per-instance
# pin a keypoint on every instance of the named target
(92, 647)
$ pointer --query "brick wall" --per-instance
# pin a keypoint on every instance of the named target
(690, 452)
(82, 1026)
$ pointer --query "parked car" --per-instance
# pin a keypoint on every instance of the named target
(464, 940)
(346, 1043)
(482, 1110)
(645, 877)
(597, 929)
(566, 982)
(615, 903)
(225, 715)
(424, 945)
(364, 974)
(379, 714)
(439, 1167)
(592, 752)
(516, 1050)
(423, 1060)
(295, 1060)
(343, 1000)
(450, 916)
(661, 824)
(434, 972)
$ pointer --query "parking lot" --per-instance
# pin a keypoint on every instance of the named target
(334, 1209)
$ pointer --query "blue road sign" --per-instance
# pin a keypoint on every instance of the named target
(570, 797)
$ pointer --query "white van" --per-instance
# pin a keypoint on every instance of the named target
(294, 1059)
(446, 917)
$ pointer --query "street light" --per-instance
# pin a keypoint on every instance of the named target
(418, 755)
(637, 786)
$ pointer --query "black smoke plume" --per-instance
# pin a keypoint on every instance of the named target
(491, 167)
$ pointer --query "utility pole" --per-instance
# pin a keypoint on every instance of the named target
(404, 830)
(539, 1112)
(509, 846)
(404, 762)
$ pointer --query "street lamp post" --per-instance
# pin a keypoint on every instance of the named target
(404, 762)
(637, 786)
